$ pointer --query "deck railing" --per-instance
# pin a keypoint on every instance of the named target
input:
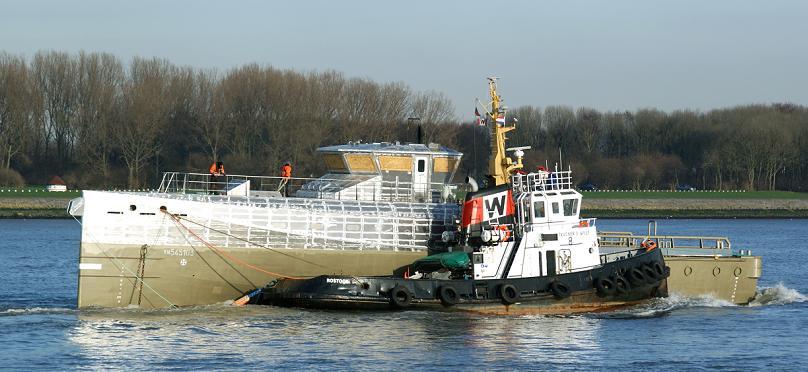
(323, 187)
(542, 181)
(696, 244)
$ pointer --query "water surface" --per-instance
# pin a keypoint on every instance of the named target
(41, 329)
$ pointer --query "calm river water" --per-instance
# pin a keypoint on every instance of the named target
(40, 328)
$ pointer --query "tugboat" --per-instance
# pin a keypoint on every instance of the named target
(520, 247)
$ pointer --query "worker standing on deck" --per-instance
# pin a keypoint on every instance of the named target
(216, 171)
(286, 175)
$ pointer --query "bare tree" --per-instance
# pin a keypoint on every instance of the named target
(143, 115)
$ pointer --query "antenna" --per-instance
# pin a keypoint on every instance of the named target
(560, 162)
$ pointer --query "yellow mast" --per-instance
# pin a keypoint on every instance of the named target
(500, 165)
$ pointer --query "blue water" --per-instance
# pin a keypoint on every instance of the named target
(40, 328)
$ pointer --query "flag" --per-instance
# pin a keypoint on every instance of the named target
(501, 119)
(479, 119)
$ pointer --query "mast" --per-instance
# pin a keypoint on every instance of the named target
(500, 165)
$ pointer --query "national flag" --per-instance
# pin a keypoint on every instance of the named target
(501, 119)
(479, 119)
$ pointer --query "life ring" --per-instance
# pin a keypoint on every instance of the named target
(504, 229)
(650, 245)
(636, 277)
(400, 297)
(650, 274)
(621, 284)
(583, 223)
(447, 295)
(559, 289)
(605, 286)
(509, 294)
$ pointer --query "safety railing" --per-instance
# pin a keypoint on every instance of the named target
(368, 188)
(542, 181)
(695, 244)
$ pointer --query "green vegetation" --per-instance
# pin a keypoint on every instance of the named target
(700, 213)
(100, 122)
(37, 192)
(728, 195)
(33, 213)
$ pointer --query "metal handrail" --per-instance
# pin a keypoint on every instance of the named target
(542, 181)
(325, 187)
(629, 240)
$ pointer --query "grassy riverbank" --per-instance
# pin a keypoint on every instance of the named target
(37, 203)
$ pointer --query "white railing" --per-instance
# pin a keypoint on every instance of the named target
(324, 187)
(542, 181)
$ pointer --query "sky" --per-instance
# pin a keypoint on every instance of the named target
(607, 55)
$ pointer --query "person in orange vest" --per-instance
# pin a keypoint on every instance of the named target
(286, 175)
(216, 171)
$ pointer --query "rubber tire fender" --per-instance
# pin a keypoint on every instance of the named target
(659, 270)
(636, 277)
(560, 290)
(509, 294)
(621, 285)
(448, 295)
(400, 297)
(651, 275)
(605, 286)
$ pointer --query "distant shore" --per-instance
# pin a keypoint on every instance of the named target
(56, 207)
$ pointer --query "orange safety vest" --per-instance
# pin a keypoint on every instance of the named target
(213, 168)
(221, 170)
(286, 171)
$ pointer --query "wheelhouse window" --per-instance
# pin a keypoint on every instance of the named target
(570, 207)
(538, 209)
(555, 207)
(421, 165)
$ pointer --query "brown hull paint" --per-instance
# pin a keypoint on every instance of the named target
(200, 276)
(732, 279)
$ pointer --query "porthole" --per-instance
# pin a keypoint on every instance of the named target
(688, 270)
(132, 207)
(716, 271)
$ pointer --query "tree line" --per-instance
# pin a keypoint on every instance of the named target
(99, 123)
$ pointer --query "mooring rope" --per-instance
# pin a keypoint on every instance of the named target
(174, 216)
(178, 221)
(123, 267)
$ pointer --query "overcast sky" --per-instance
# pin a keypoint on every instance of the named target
(609, 55)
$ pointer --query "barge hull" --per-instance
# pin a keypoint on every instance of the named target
(109, 274)
(729, 278)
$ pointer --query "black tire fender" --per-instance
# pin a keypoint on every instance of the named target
(659, 270)
(560, 290)
(509, 294)
(605, 286)
(448, 295)
(621, 285)
(400, 297)
(650, 274)
(636, 277)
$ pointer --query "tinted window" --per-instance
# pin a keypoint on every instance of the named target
(421, 165)
(570, 207)
(555, 207)
(538, 209)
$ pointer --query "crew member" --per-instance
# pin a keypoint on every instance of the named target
(286, 175)
(216, 171)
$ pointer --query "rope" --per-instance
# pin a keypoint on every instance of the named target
(178, 221)
(123, 267)
(174, 216)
